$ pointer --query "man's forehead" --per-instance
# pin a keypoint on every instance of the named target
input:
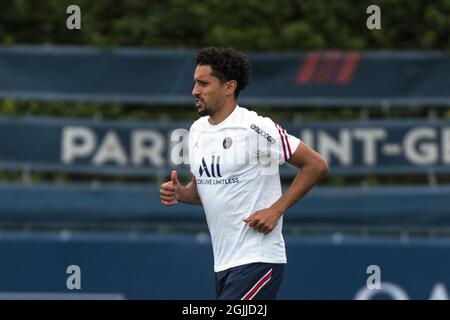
(202, 71)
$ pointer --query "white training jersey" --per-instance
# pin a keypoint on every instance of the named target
(236, 165)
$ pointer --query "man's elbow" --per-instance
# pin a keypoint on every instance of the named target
(322, 167)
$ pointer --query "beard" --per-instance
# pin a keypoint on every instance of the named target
(201, 108)
(203, 112)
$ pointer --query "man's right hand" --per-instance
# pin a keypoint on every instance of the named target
(170, 190)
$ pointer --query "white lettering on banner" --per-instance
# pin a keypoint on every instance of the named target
(307, 136)
(341, 148)
(426, 152)
(446, 145)
(386, 288)
(179, 153)
(110, 150)
(438, 292)
(369, 138)
(345, 146)
(77, 142)
(81, 143)
(147, 144)
(416, 146)
(392, 149)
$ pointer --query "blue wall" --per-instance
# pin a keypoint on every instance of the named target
(180, 267)
(83, 205)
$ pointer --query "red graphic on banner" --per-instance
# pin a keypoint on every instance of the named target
(328, 68)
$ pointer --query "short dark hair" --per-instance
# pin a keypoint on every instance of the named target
(226, 64)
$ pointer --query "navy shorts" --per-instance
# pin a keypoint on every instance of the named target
(254, 281)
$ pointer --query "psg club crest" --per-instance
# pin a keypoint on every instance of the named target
(227, 142)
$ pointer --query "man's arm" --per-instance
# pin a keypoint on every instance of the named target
(189, 193)
(172, 191)
(313, 167)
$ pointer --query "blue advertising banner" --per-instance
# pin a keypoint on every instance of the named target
(282, 79)
(149, 148)
(91, 147)
(380, 146)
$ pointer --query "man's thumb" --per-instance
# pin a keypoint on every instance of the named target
(174, 177)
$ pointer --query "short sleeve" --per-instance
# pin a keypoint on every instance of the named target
(280, 145)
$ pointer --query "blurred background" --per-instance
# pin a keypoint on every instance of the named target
(86, 124)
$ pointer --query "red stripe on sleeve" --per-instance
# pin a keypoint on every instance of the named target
(287, 142)
(282, 142)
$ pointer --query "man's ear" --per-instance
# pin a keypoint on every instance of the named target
(230, 87)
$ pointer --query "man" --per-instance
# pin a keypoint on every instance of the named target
(234, 157)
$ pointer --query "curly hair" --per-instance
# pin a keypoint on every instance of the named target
(226, 64)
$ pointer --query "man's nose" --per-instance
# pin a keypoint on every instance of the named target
(195, 91)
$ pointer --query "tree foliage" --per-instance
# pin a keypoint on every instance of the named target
(248, 25)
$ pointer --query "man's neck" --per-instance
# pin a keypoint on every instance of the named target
(221, 115)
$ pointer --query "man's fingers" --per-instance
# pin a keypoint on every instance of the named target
(169, 203)
(260, 227)
(168, 190)
(265, 230)
(168, 198)
(167, 193)
(168, 186)
(257, 225)
(165, 184)
(251, 221)
(174, 178)
(249, 218)
(254, 223)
